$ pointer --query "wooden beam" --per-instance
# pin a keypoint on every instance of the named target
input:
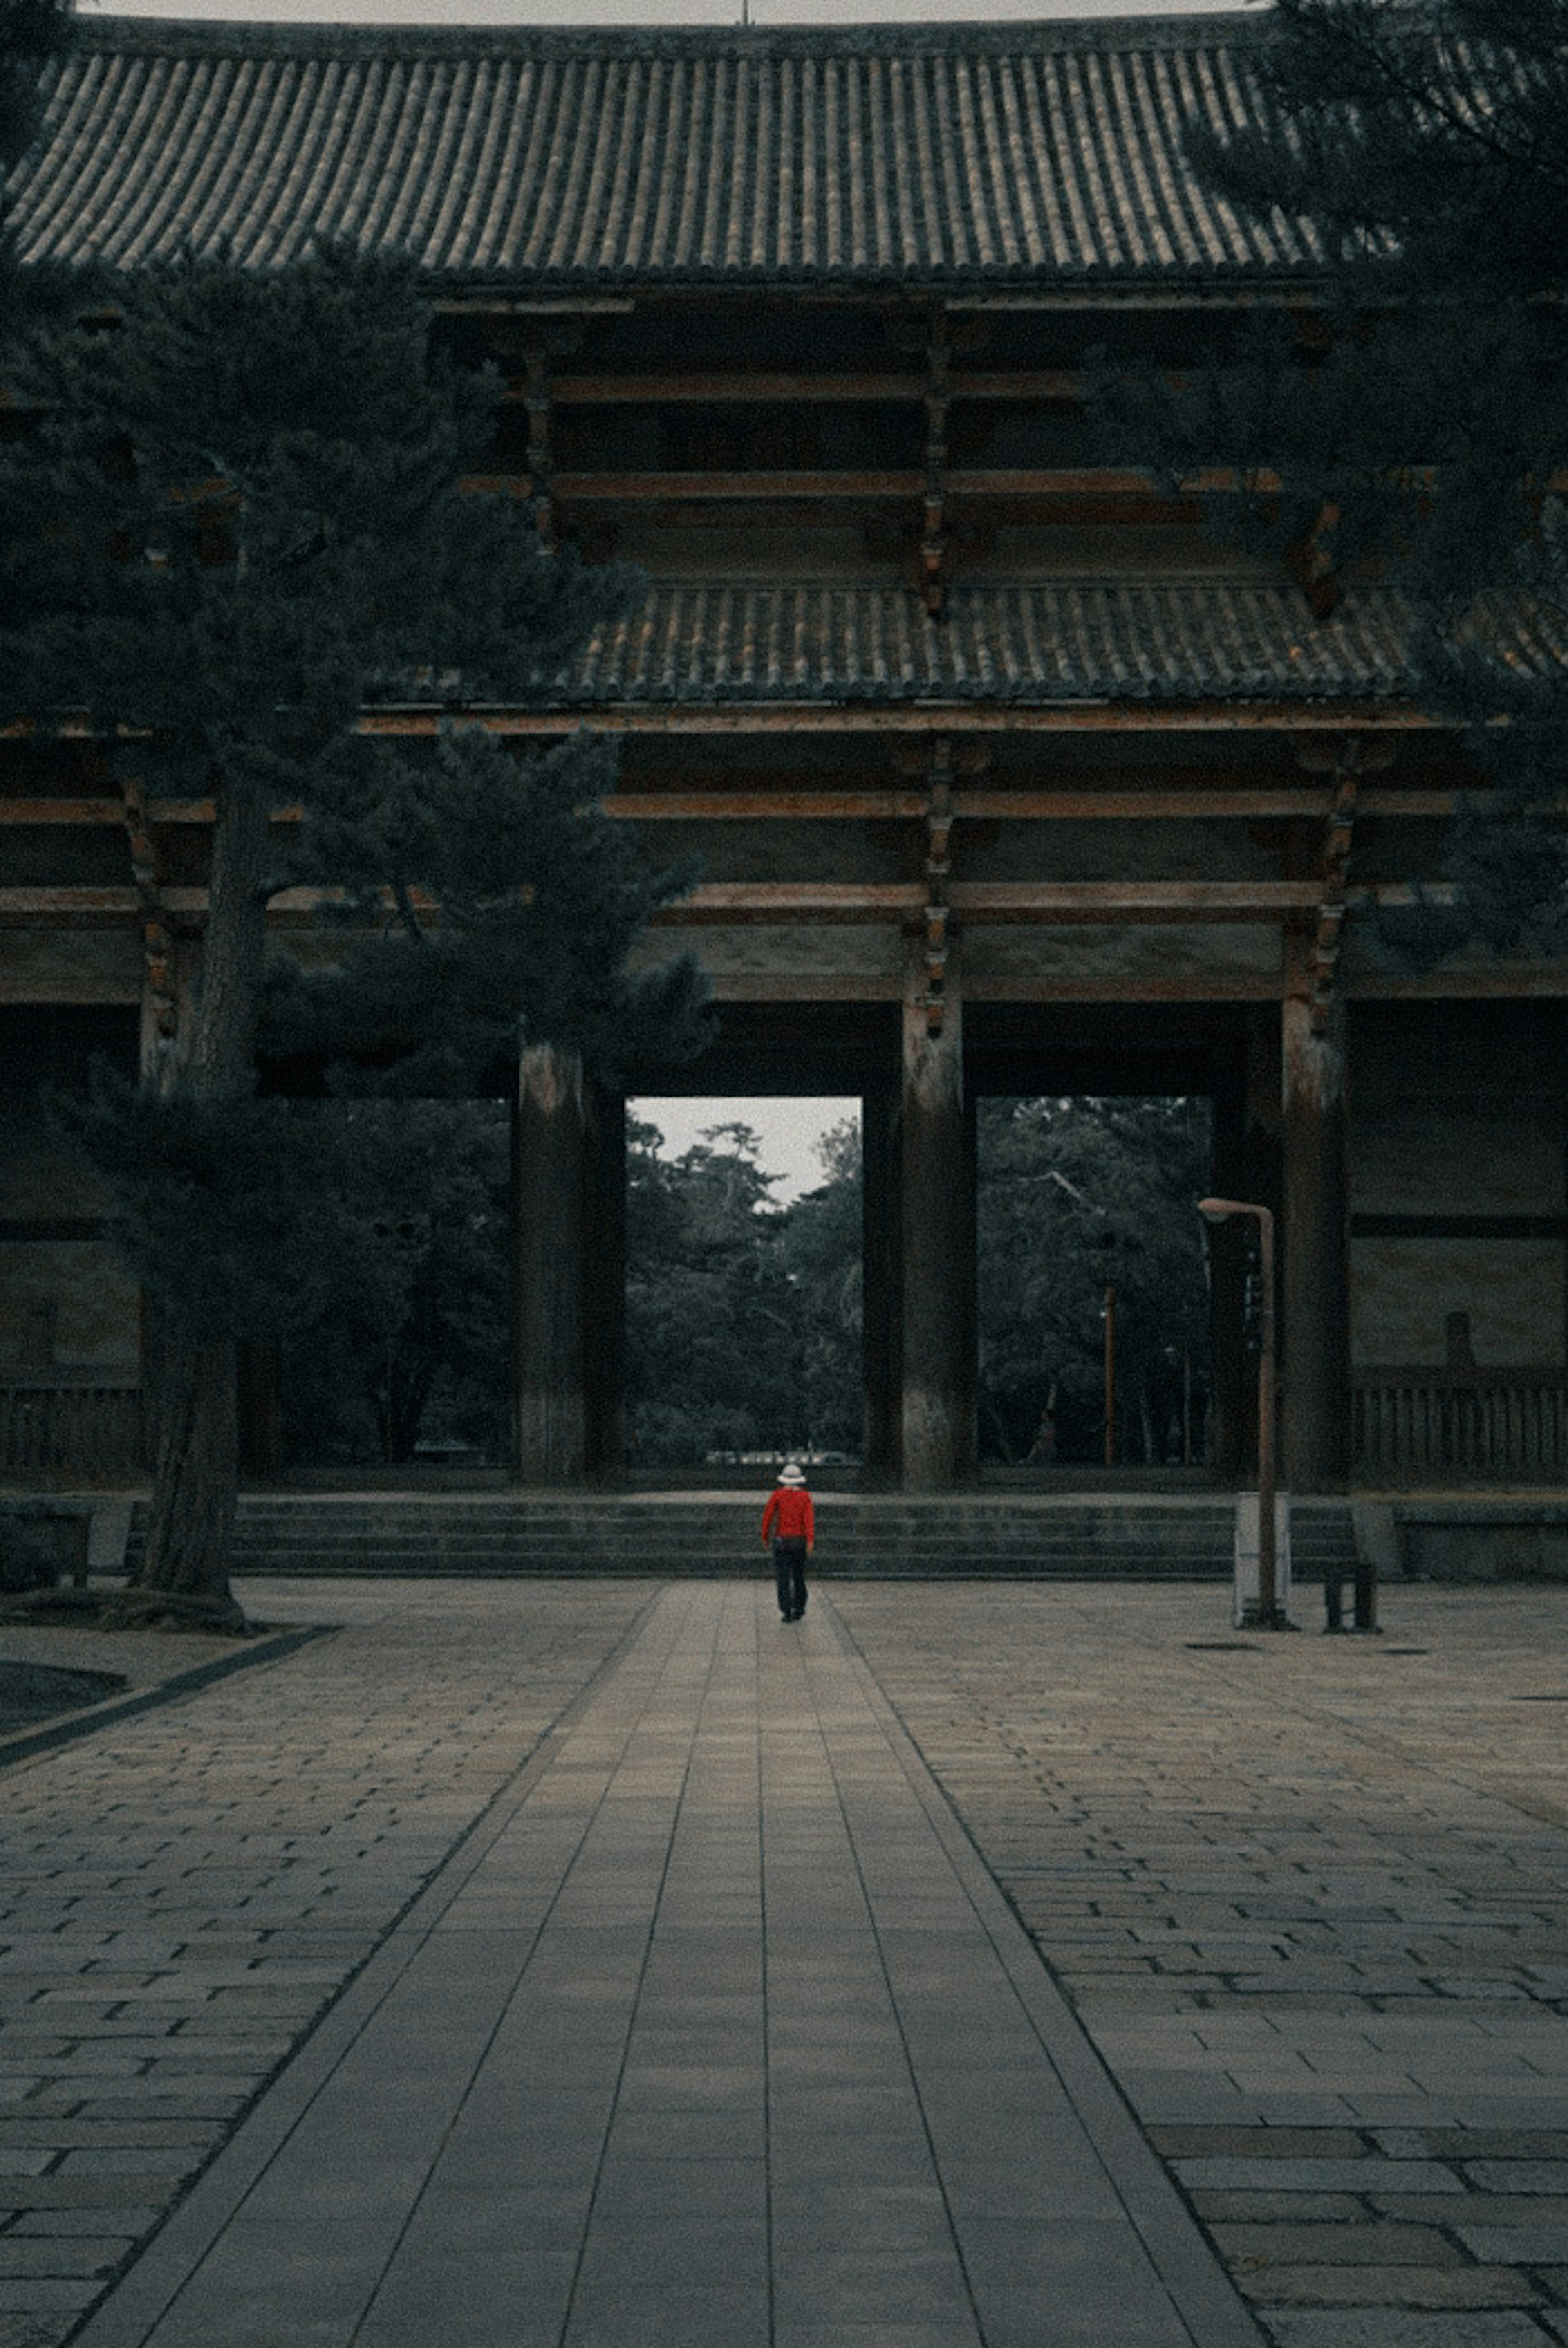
(1131, 900)
(1205, 801)
(796, 900)
(715, 488)
(808, 806)
(88, 908)
(707, 389)
(1047, 901)
(1075, 483)
(675, 718)
(764, 806)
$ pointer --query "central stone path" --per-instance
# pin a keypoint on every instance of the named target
(714, 2031)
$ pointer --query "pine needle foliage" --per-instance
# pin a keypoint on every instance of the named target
(1410, 425)
(237, 522)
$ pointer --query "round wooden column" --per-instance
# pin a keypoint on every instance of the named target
(881, 1223)
(604, 1338)
(937, 1254)
(1316, 1354)
(549, 1170)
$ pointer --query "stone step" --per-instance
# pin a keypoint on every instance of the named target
(569, 1534)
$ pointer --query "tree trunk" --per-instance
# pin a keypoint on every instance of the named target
(193, 1390)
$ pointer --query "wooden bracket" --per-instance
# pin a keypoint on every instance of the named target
(939, 813)
(1310, 563)
(542, 458)
(157, 943)
(934, 544)
(1346, 765)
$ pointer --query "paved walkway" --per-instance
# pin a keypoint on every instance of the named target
(714, 2031)
(1309, 1897)
(396, 1988)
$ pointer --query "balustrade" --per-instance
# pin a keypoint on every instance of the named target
(49, 1424)
(1482, 1423)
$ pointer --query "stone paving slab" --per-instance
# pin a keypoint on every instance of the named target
(716, 2031)
(1309, 1897)
(184, 1893)
(155, 1667)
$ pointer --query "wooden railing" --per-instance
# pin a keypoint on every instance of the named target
(1464, 1423)
(50, 1424)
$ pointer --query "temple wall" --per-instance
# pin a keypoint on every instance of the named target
(1459, 1151)
(66, 1303)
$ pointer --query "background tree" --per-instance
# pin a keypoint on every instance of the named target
(1412, 427)
(710, 1341)
(742, 1317)
(1076, 1196)
(414, 1333)
(823, 1254)
(239, 518)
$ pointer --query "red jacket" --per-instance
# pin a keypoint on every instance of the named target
(789, 1514)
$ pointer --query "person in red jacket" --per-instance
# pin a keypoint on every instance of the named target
(791, 1520)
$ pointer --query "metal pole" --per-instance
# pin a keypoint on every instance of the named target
(1218, 1210)
(1109, 1316)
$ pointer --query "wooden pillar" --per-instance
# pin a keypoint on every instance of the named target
(261, 1373)
(605, 1302)
(549, 1166)
(1315, 1353)
(1246, 1166)
(881, 1221)
(937, 1244)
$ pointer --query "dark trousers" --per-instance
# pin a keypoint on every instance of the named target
(789, 1571)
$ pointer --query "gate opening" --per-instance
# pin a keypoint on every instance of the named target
(1093, 1293)
(744, 1285)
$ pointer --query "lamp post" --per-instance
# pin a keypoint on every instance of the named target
(1219, 1211)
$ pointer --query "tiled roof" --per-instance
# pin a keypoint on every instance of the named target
(1184, 641)
(915, 153)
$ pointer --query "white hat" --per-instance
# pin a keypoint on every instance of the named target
(790, 1474)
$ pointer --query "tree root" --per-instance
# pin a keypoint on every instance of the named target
(138, 1608)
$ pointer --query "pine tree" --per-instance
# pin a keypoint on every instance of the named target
(238, 520)
(1411, 424)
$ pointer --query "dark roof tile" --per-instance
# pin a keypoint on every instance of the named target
(893, 153)
(1181, 642)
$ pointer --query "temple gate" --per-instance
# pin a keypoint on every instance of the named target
(1004, 773)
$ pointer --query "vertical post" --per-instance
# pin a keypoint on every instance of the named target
(881, 1220)
(1108, 1315)
(1218, 1212)
(1268, 1576)
(1315, 1244)
(548, 1177)
(938, 1243)
(604, 1399)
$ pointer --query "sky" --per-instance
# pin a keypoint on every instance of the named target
(788, 1131)
(644, 11)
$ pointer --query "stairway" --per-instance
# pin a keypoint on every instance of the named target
(873, 1536)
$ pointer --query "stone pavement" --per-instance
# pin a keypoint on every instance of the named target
(1309, 1897)
(184, 1893)
(639, 1984)
(712, 2029)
